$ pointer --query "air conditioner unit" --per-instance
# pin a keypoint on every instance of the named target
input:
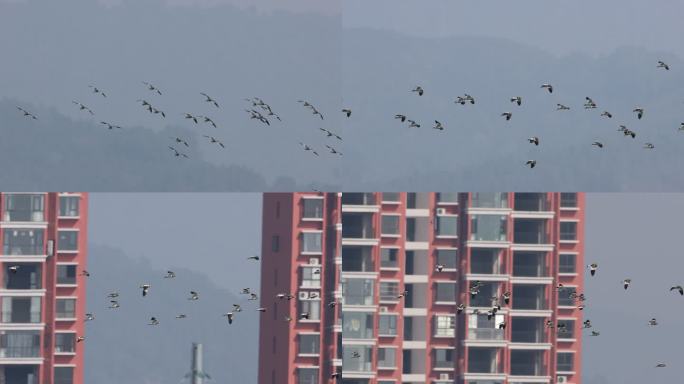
(441, 211)
(444, 376)
(314, 261)
(303, 295)
(383, 309)
(50, 248)
(562, 379)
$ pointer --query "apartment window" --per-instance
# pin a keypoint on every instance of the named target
(392, 197)
(275, 243)
(568, 200)
(20, 344)
(64, 375)
(66, 308)
(488, 228)
(390, 225)
(24, 207)
(311, 242)
(448, 198)
(389, 290)
(565, 297)
(68, 206)
(28, 276)
(307, 375)
(21, 310)
(357, 358)
(446, 225)
(445, 292)
(312, 208)
(311, 277)
(389, 258)
(309, 344)
(388, 325)
(445, 325)
(444, 358)
(565, 329)
(357, 291)
(567, 263)
(66, 274)
(489, 200)
(67, 240)
(357, 325)
(447, 258)
(65, 342)
(565, 362)
(568, 230)
(387, 357)
(23, 241)
(310, 307)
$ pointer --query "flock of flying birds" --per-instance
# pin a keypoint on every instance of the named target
(257, 110)
(589, 104)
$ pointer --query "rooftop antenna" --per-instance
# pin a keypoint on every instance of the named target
(197, 374)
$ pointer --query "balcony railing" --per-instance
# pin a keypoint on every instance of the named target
(23, 317)
(530, 270)
(481, 367)
(528, 336)
(489, 200)
(358, 199)
(19, 352)
(530, 237)
(520, 369)
(485, 334)
(29, 215)
(18, 250)
(531, 202)
(529, 303)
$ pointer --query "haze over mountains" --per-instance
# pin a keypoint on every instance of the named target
(122, 348)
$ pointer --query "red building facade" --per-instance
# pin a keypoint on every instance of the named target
(409, 260)
(44, 237)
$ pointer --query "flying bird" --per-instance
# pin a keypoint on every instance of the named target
(517, 100)
(561, 107)
(607, 114)
(679, 289)
(194, 296)
(531, 163)
(14, 268)
(649, 146)
(597, 144)
(179, 140)
(181, 316)
(255, 257)
(97, 90)
(626, 283)
(89, 317)
(419, 90)
(114, 304)
(110, 126)
(209, 99)
(177, 153)
(152, 87)
(662, 64)
(229, 315)
(548, 87)
(653, 322)
(27, 113)
(592, 268)
(533, 140)
(190, 116)
(507, 115)
(212, 140)
(403, 117)
(145, 289)
(347, 112)
(438, 126)
(153, 321)
(83, 107)
(639, 111)
(208, 120)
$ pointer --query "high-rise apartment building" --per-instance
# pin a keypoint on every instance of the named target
(409, 261)
(43, 290)
(300, 340)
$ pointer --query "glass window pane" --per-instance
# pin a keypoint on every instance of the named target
(447, 258)
(447, 225)
(67, 240)
(390, 225)
(311, 242)
(567, 263)
(488, 228)
(389, 257)
(309, 344)
(568, 230)
(312, 208)
(68, 206)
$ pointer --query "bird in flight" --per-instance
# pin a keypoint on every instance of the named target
(212, 140)
(403, 118)
(661, 365)
(194, 296)
(208, 120)
(97, 90)
(110, 126)
(626, 283)
(177, 153)
(679, 289)
(27, 113)
(507, 115)
(597, 144)
(681, 127)
(229, 315)
(639, 111)
(83, 107)
(330, 134)
(114, 304)
(347, 112)
(649, 146)
(306, 147)
(153, 321)
(533, 140)
(561, 107)
(517, 100)
(589, 103)
(145, 289)
(653, 322)
(191, 117)
(181, 316)
(662, 64)
(419, 90)
(592, 268)
(627, 132)
(413, 124)
(333, 150)
(152, 87)
(531, 163)
(89, 317)
(255, 257)
(438, 126)
(209, 99)
(607, 114)
(548, 87)
(179, 141)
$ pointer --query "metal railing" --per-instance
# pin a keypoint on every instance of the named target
(19, 352)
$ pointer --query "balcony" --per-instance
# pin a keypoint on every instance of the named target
(357, 291)
(485, 297)
(358, 325)
(357, 259)
(24, 208)
(20, 344)
(528, 330)
(483, 360)
(28, 276)
(21, 310)
(447, 198)
(362, 363)
(18, 242)
(486, 261)
(531, 202)
(358, 199)
(529, 264)
(529, 297)
(485, 334)
(489, 200)
(488, 227)
(358, 226)
(530, 231)
(528, 363)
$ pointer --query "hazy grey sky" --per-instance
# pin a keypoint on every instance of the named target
(557, 26)
(635, 236)
(205, 232)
